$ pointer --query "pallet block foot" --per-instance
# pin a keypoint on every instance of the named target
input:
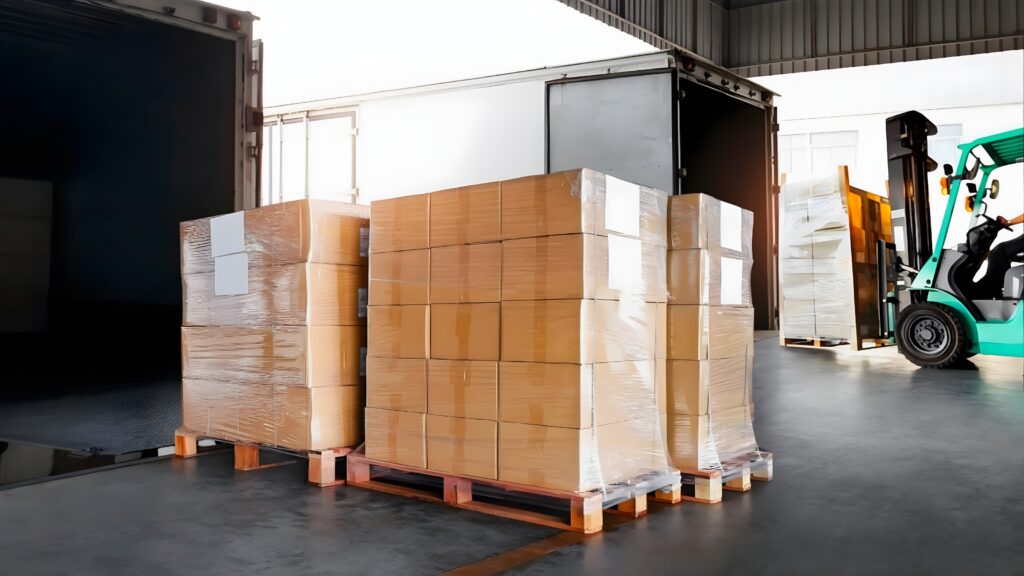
(634, 507)
(247, 457)
(457, 490)
(587, 514)
(185, 445)
(741, 483)
(707, 490)
(669, 495)
(323, 469)
(764, 473)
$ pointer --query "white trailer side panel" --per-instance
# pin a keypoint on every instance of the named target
(421, 143)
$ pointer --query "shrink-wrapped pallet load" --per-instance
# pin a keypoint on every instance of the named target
(274, 325)
(540, 361)
(710, 333)
(827, 259)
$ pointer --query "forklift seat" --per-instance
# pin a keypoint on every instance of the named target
(1013, 283)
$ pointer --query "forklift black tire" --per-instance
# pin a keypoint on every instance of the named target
(931, 335)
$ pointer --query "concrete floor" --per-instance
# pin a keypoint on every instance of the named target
(879, 469)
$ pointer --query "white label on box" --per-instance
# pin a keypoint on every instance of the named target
(227, 234)
(624, 263)
(622, 207)
(362, 298)
(731, 227)
(364, 241)
(732, 282)
(901, 241)
(231, 274)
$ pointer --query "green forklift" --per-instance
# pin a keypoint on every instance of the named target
(929, 301)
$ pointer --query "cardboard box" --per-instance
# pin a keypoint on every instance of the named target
(396, 384)
(396, 437)
(697, 387)
(461, 274)
(577, 395)
(709, 332)
(582, 201)
(582, 266)
(704, 442)
(467, 215)
(702, 221)
(400, 278)
(319, 231)
(462, 446)
(290, 417)
(291, 295)
(399, 331)
(661, 384)
(463, 388)
(577, 331)
(661, 331)
(579, 460)
(210, 407)
(465, 331)
(400, 224)
(305, 356)
(317, 418)
(702, 277)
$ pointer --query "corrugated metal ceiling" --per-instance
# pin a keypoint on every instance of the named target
(764, 37)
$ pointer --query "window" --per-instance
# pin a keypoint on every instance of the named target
(817, 152)
(309, 157)
(942, 147)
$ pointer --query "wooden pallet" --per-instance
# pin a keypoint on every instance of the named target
(854, 345)
(322, 468)
(585, 510)
(735, 475)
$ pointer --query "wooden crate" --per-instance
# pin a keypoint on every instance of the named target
(585, 511)
(735, 475)
(322, 463)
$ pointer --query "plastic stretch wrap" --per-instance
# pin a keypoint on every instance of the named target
(827, 256)
(704, 277)
(710, 441)
(709, 334)
(538, 337)
(699, 221)
(274, 341)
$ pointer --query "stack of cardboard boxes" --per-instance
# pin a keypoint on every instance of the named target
(710, 332)
(274, 334)
(827, 258)
(523, 324)
(582, 273)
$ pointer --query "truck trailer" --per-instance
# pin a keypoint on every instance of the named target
(669, 120)
(122, 120)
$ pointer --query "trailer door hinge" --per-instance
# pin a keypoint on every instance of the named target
(253, 119)
(254, 151)
(682, 172)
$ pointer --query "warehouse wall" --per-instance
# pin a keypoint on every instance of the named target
(966, 97)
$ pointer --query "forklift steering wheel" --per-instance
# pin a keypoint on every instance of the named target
(996, 222)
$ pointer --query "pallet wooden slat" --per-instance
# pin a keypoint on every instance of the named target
(322, 468)
(735, 476)
(585, 510)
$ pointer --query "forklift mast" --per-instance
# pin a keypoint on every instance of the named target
(907, 147)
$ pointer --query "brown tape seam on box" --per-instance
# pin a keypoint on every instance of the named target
(458, 380)
(463, 329)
